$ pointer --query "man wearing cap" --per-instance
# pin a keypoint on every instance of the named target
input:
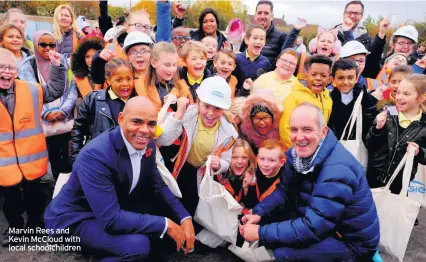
(206, 132)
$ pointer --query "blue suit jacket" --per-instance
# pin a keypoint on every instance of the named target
(101, 180)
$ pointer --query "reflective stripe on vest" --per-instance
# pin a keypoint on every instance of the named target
(23, 152)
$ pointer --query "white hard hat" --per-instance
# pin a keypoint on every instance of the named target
(110, 34)
(135, 38)
(407, 31)
(353, 48)
(215, 91)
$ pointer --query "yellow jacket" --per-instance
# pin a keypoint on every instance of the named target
(299, 94)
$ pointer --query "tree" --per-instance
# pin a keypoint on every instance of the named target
(150, 6)
(115, 12)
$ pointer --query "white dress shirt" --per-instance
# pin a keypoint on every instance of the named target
(347, 98)
(135, 159)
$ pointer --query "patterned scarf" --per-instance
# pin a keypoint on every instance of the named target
(303, 165)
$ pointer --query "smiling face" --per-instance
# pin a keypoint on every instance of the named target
(209, 114)
(305, 133)
(209, 24)
(395, 61)
(256, 41)
(264, 16)
(407, 97)
(239, 161)
(139, 57)
(64, 19)
(325, 44)
(196, 63)
(355, 13)
(12, 40)
(121, 82)
(269, 161)
(345, 80)
(394, 82)
(18, 20)
(165, 66)
(286, 65)
(224, 65)
(262, 122)
(403, 45)
(8, 75)
(45, 44)
(318, 77)
(211, 45)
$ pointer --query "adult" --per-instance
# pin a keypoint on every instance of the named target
(180, 35)
(300, 46)
(108, 202)
(65, 29)
(12, 38)
(335, 217)
(16, 16)
(209, 26)
(275, 39)
(350, 29)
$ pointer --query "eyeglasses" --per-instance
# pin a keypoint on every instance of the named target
(181, 38)
(350, 13)
(405, 43)
(265, 119)
(288, 63)
(12, 69)
(142, 52)
(44, 45)
(139, 26)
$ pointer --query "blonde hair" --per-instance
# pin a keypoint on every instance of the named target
(157, 50)
(251, 168)
(5, 28)
(419, 83)
(272, 144)
(129, 15)
(226, 52)
(13, 10)
(195, 46)
(57, 30)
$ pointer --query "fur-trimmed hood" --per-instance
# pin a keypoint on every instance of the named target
(264, 98)
(78, 64)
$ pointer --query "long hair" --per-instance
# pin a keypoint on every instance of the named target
(57, 30)
(251, 168)
(203, 14)
(419, 82)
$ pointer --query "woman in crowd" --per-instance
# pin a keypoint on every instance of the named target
(57, 116)
(260, 119)
(403, 41)
(12, 38)
(81, 64)
(99, 110)
(209, 26)
(65, 29)
(17, 17)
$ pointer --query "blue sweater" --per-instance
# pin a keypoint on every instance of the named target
(247, 69)
(333, 197)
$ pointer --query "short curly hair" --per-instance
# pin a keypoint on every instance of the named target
(78, 63)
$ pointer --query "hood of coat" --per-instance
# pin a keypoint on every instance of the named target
(78, 63)
(265, 99)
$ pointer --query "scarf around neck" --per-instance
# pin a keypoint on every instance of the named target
(304, 165)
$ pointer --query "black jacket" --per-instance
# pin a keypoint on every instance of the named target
(275, 42)
(94, 117)
(198, 36)
(365, 39)
(373, 63)
(98, 66)
(341, 113)
(387, 146)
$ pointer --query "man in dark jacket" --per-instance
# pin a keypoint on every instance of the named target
(350, 29)
(275, 39)
(324, 187)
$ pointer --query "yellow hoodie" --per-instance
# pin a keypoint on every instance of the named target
(300, 94)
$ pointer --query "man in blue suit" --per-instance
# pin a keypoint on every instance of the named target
(324, 186)
(109, 198)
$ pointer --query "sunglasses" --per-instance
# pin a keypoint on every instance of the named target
(44, 45)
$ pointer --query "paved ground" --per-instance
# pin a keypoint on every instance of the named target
(416, 251)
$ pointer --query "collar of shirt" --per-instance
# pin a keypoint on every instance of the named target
(211, 130)
(113, 96)
(276, 77)
(405, 122)
(130, 148)
(249, 57)
(194, 81)
(347, 98)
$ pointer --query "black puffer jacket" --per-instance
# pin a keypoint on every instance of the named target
(387, 146)
(198, 36)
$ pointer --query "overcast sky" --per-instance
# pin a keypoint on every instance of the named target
(328, 13)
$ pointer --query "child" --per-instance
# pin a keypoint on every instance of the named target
(194, 55)
(241, 178)
(270, 160)
(211, 45)
(313, 91)
(387, 93)
(225, 62)
(206, 132)
(390, 135)
(235, 112)
(99, 110)
(344, 75)
(390, 62)
(251, 64)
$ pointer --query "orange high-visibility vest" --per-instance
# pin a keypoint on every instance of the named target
(23, 150)
(233, 84)
(85, 87)
(373, 84)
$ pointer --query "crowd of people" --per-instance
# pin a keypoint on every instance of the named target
(269, 117)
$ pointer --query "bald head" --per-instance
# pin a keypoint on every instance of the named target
(138, 121)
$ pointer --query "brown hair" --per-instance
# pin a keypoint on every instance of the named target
(251, 168)
(272, 144)
(227, 52)
(251, 28)
(419, 83)
(115, 63)
(6, 27)
(401, 69)
(193, 45)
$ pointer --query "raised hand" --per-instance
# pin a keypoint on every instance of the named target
(248, 83)
(384, 26)
(301, 24)
(348, 24)
(55, 57)
(180, 9)
(381, 119)
(106, 54)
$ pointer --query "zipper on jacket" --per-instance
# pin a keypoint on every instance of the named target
(110, 118)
